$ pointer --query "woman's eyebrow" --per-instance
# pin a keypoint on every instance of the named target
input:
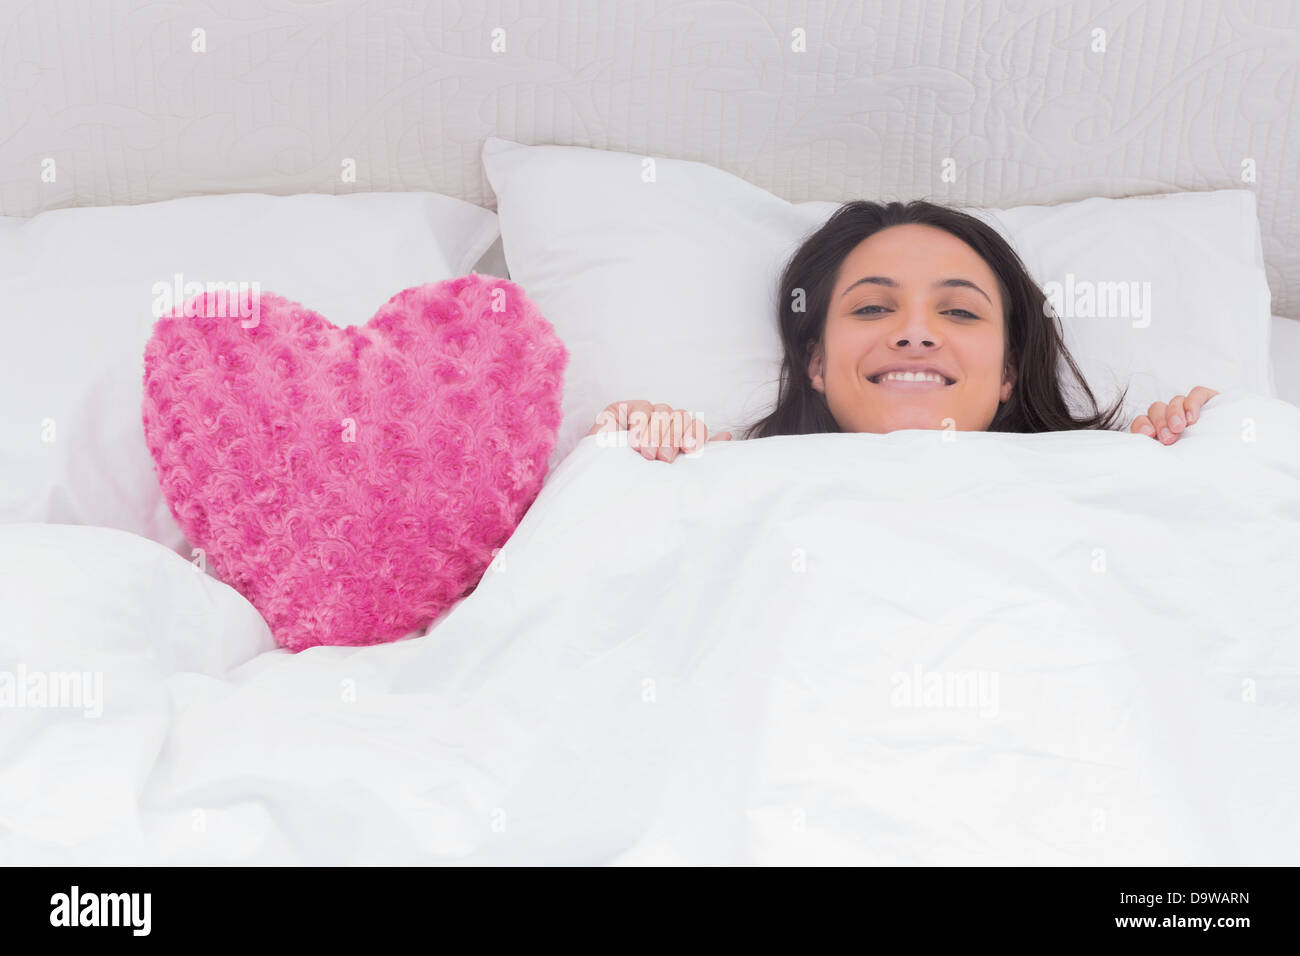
(884, 280)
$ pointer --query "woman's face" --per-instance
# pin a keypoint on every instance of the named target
(897, 303)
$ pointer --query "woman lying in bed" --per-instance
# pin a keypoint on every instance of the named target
(909, 316)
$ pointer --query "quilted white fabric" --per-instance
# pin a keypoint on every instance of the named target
(832, 100)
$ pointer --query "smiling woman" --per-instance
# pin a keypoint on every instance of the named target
(943, 343)
(883, 294)
(913, 315)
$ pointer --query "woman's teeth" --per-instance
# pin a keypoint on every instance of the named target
(911, 377)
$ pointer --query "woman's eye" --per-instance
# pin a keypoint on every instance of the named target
(963, 312)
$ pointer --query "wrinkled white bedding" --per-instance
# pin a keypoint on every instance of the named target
(1063, 648)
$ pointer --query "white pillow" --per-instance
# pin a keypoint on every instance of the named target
(78, 292)
(1193, 261)
(662, 290)
(663, 287)
(1286, 358)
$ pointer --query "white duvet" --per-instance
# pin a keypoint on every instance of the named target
(913, 648)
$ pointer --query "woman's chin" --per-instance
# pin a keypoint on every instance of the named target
(918, 418)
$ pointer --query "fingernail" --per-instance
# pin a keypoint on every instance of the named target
(1166, 435)
(1177, 421)
(1147, 430)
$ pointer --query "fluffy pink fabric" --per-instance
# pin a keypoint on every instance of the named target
(352, 483)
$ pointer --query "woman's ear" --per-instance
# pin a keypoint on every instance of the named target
(1008, 380)
(815, 366)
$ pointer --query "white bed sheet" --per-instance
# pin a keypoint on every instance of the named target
(708, 662)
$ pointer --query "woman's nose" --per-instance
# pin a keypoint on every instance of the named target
(914, 328)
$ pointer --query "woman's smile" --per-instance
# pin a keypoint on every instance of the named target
(896, 381)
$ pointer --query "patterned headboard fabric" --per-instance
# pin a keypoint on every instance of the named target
(996, 103)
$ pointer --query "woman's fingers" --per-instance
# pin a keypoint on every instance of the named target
(664, 420)
(1175, 414)
(694, 435)
(639, 421)
(1195, 399)
(617, 416)
(1166, 422)
(641, 432)
(1158, 421)
(658, 432)
(1142, 425)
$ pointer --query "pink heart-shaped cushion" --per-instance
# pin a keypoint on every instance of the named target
(352, 483)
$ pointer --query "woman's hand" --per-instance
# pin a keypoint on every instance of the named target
(1165, 422)
(658, 432)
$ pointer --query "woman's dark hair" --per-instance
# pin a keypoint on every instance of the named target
(1034, 340)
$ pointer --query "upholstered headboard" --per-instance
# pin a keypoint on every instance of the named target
(132, 101)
